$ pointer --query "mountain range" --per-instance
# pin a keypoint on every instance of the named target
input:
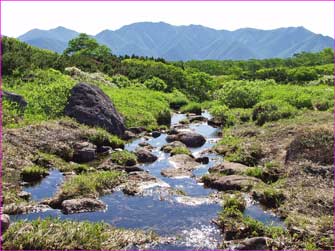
(190, 42)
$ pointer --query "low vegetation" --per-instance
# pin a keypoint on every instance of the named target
(124, 158)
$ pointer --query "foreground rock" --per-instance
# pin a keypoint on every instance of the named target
(82, 205)
(182, 165)
(256, 243)
(231, 182)
(90, 106)
(228, 168)
(5, 222)
(84, 152)
(190, 139)
(23, 208)
(144, 156)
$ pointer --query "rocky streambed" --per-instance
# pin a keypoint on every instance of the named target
(168, 196)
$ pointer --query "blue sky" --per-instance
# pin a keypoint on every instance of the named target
(93, 17)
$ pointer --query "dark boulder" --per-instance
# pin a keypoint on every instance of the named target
(190, 139)
(231, 182)
(255, 243)
(144, 156)
(156, 134)
(89, 105)
(202, 160)
(16, 98)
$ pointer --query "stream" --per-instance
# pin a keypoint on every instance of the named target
(185, 220)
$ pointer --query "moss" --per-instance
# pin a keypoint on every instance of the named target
(100, 137)
(180, 150)
(254, 172)
(51, 234)
(33, 173)
(269, 195)
(123, 158)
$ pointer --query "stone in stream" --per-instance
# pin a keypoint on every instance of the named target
(255, 243)
(202, 160)
(156, 134)
(108, 165)
(82, 205)
(190, 139)
(170, 146)
(214, 122)
(144, 156)
(228, 168)
(24, 195)
(84, 152)
(89, 105)
(5, 222)
(182, 165)
(197, 118)
(231, 182)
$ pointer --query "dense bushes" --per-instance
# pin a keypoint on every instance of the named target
(271, 110)
(191, 107)
(223, 114)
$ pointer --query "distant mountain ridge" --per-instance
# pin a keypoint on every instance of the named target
(190, 42)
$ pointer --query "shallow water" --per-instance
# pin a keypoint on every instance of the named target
(188, 218)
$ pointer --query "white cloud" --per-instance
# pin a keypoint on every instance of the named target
(93, 17)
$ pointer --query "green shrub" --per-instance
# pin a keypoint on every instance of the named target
(176, 99)
(155, 84)
(123, 158)
(140, 107)
(244, 115)
(254, 172)
(240, 94)
(101, 137)
(180, 150)
(223, 114)
(33, 173)
(271, 110)
(191, 107)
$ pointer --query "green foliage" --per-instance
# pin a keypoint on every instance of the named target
(254, 172)
(123, 158)
(155, 84)
(33, 173)
(272, 110)
(46, 92)
(90, 184)
(223, 114)
(180, 150)
(87, 46)
(18, 57)
(243, 115)
(240, 94)
(176, 99)
(191, 107)
(122, 81)
(53, 233)
(100, 137)
(140, 107)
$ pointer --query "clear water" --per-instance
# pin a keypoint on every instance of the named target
(189, 225)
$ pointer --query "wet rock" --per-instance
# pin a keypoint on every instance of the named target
(108, 165)
(182, 165)
(190, 139)
(202, 160)
(89, 105)
(231, 182)
(23, 208)
(84, 152)
(194, 201)
(24, 195)
(197, 118)
(5, 222)
(228, 168)
(173, 131)
(146, 146)
(16, 98)
(215, 122)
(82, 205)
(169, 147)
(138, 182)
(255, 243)
(156, 134)
(144, 156)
